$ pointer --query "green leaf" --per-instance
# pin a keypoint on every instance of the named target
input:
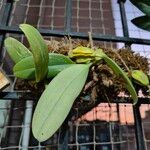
(119, 72)
(16, 50)
(39, 50)
(25, 68)
(55, 69)
(140, 77)
(142, 22)
(57, 59)
(83, 60)
(143, 5)
(56, 101)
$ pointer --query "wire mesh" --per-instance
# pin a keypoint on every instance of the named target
(83, 133)
(106, 127)
(131, 12)
(145, 124)
(46, 14)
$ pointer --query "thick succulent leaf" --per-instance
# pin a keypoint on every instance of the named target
(57, 63)
(143, 5)
(142, 22)
(119, 72)
(57, 59)
(25, 74)
(56, 101)
(16, 50)
(55, 69)
(25, 68)
(140, 77)
(29, 73)
(39, 50)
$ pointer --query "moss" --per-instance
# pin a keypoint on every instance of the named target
(102, 83)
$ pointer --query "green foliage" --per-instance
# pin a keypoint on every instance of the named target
(16, 50)
(140, 77)
(56, 101)
(119, 72)
(84, 54)
(81, 51)
(55, 69)
(39, 50)
(143, 5)
(142, 22)
(57, 59)
(25, 69)
(98, 55)
(58, 97)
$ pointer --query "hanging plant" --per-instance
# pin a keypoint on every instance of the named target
(74, 69)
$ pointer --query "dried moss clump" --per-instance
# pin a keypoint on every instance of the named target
(102, 82)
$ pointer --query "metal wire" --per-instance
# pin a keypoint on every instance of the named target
(102, 127)
(89, 133)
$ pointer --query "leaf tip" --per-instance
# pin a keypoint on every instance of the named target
(24, 25)
(135, 101)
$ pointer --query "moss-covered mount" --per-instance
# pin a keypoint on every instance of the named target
(102, 81)
(70, 70)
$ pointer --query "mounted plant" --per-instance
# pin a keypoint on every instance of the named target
(71, 70)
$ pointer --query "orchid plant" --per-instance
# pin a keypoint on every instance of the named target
(68, 76)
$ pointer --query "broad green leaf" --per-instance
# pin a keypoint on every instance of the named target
(140, 77)
(142, 22)
(16, 50)
(39, 50)
(56, 101)
(27, 72)
(143, 5)
(57, 59)
(25, 68)
(146, 2)
(55, 69)
(119, 72)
